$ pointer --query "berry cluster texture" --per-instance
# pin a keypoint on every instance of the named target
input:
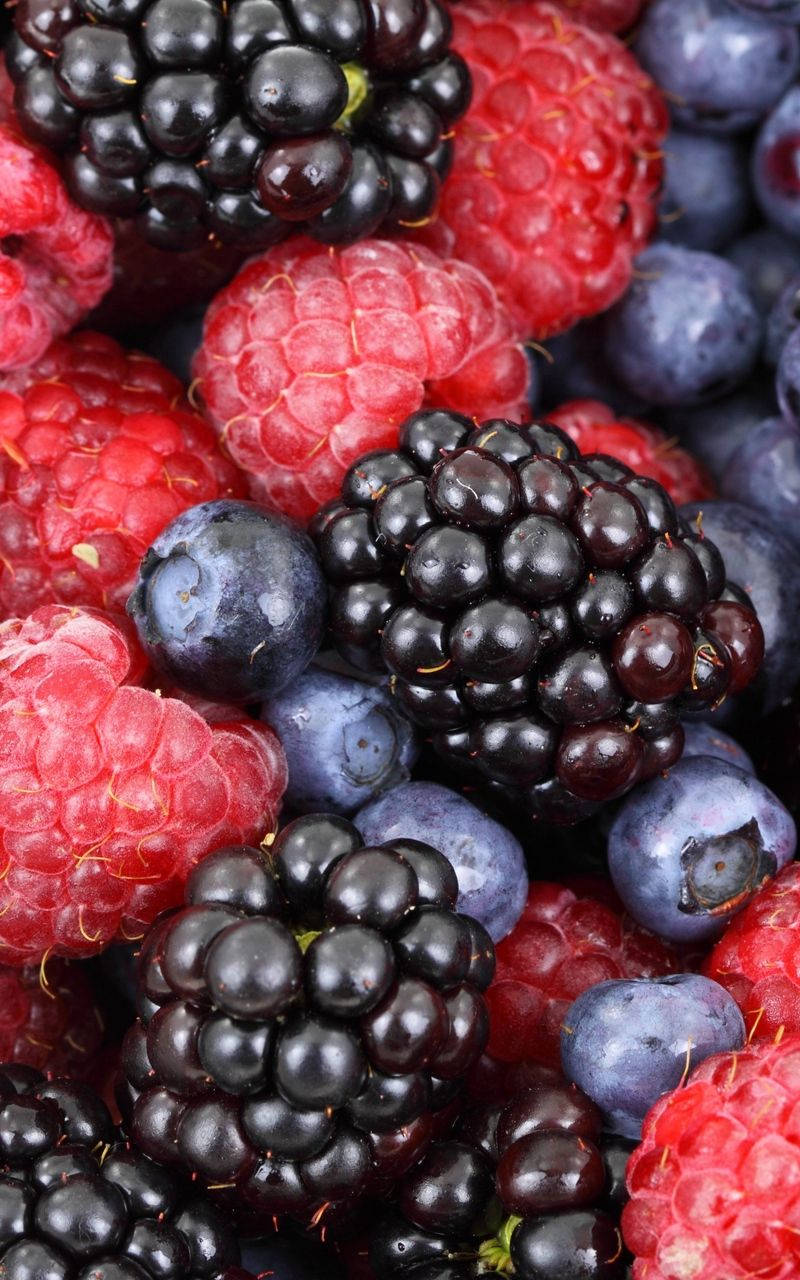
(110, 791)
(304, 1017)
(312, 356)
(567, 939)
(714, 1184)
(757, 959)
(243, 121)
(48, 1018)
(530, 1188)
(546, 615)
(55, 258)
(78, 1203)
(100, 452)
(646, 449)
(557, 163)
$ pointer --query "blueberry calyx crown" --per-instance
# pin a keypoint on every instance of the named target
(546, 616)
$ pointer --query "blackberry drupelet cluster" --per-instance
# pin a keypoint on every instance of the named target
(547, 616)
(530, 1187)
(242, 121)
(76, 1204)
(304, 1018)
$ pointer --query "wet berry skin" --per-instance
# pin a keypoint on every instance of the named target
(302, 1017)
(242, 122)
(539, 594)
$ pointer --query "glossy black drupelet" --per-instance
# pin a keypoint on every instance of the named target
(76, 1203)
(533, 1182)
(242, 121)
(303, 1018)
(545, 616)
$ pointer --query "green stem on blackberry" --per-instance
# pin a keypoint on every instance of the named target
(495, 1254)
(305, 938)
(358, 88)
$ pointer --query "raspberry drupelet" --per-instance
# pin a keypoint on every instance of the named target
(110, 792)
(101, 450)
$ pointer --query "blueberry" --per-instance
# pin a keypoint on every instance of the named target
(345, 741)
(689, 849)
(488, 860)
(787, 381)
(230, 601)
(721, 69)
(700, 739)
(575, 369)
(776, 180)
(705, 203)
(712, 432)
(759, 555)
(627, 1042)
(779, 10)
(686, 331)
(764, 472)
(782, 321)
(769, 259)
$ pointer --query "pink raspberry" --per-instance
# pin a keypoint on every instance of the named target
(312, 356)
(98, 452)
(110, 792)
(557, 163)
(55, 259)
(715, 1184)
(757, 959)
(48, 1018)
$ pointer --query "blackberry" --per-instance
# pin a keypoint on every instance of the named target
(544, 615)
(531, 1186)
(303, 1018)
(246, 120)
(77, 1203)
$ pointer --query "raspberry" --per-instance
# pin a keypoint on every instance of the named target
(152, 284)
(110, 792)
(604, 15)
(595, 428)
(715, 1184)
(310, 356)
(566, 941)
(48, 1018)
(557, 163)
(55, 259)
(757, 959)
(100, 452)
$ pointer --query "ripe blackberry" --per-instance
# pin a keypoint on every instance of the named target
(303, 1018)
(242, 121)
(539, 610)
(76, 1204)
(530, 1187)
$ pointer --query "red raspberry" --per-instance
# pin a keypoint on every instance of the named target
(715, 1184)
(98, 452)
(151, 284)
(596, 429)
(313, 355)
(110, 792)
(565, 941)
(48, 1018)
(55, 259)
(757, 958)
(557, 163)
(604, 15)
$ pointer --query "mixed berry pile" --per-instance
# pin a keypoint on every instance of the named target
(399, 677)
